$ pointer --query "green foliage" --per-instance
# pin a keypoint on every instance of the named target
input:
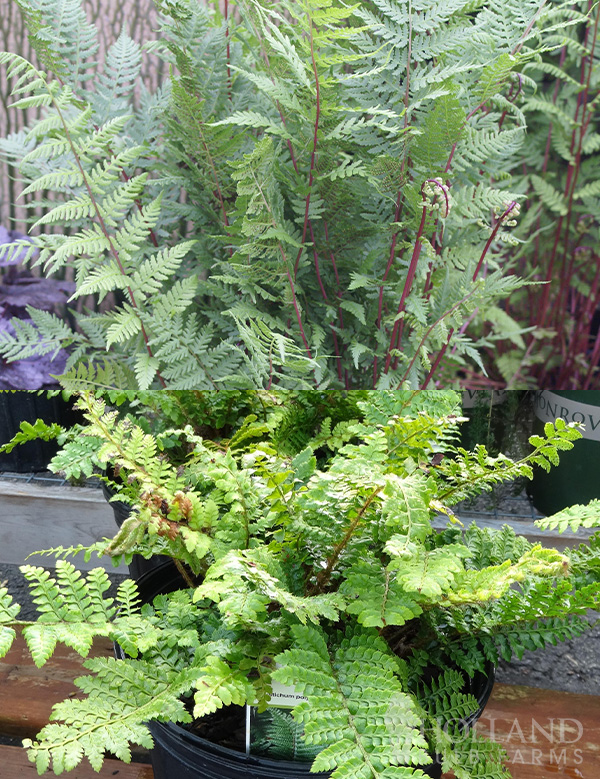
(33, 432)
(350, 684)
(311, 561)
(572, 518)
(257, 221)
(558, 169)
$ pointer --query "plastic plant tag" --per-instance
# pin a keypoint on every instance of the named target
(285, 696)
(274, 733)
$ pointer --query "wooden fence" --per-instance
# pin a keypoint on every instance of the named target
(141, 21)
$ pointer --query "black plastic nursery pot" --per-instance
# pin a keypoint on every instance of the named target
(575, 479)
(179, 754)
(18, 406)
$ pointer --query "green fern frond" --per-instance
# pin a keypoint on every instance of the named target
(340, 689)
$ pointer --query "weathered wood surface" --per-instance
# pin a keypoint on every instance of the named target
(15, 765)
(547, 733)
(27, 693)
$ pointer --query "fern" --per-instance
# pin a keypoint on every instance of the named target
(261, 220)
(340, 691)
(139, 690)
(572, 518)
(311, 561)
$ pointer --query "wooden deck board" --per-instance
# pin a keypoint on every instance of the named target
(27, 693)
(15, 765)
(548, 734)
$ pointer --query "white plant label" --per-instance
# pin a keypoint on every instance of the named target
(549, 406)
(285, 696)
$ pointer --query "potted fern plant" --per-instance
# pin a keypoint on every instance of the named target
(308, 574)
(319, 195)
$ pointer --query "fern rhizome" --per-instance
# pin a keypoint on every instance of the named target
(317, 568)
(319, 195)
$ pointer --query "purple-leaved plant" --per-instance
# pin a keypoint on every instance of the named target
(19, 290)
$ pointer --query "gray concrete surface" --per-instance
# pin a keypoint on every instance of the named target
(36, 517)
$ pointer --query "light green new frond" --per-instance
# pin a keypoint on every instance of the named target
(245, 583)
(151, 273)
(146, 367)
(117, 203)
(63, 38)
(269, 354)
(219, 685)
(425, 574)
(134, 231)
(104, 373)
(190, 355)
(104, 174)
(39, 430)
(73, 607)
(77, 209)
(489, 146)
(256, 120)
(122, 696)
(549, 196)
(65, 178)
(405, 506)
(376, 596)
(108, 276)
(125, 325)
(478, 586)
(572, 518)
(100, 136)
(589, 190)
(8, 614)
(170, 305)
(559, 436)
(274, 87)
(27, 342)
(495, 75)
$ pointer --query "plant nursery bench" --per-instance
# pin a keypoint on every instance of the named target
(547, 733)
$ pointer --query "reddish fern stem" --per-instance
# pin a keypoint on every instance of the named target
(428, 331)
(438, 359)
(558, 232)
(580, 338)
(295, 304)
(317, 268)
(399, 201)
(390, 258)
(512, 204)
(583, 95)
(398, 325)
(313, 155)
(407, 286)
(593, 366)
